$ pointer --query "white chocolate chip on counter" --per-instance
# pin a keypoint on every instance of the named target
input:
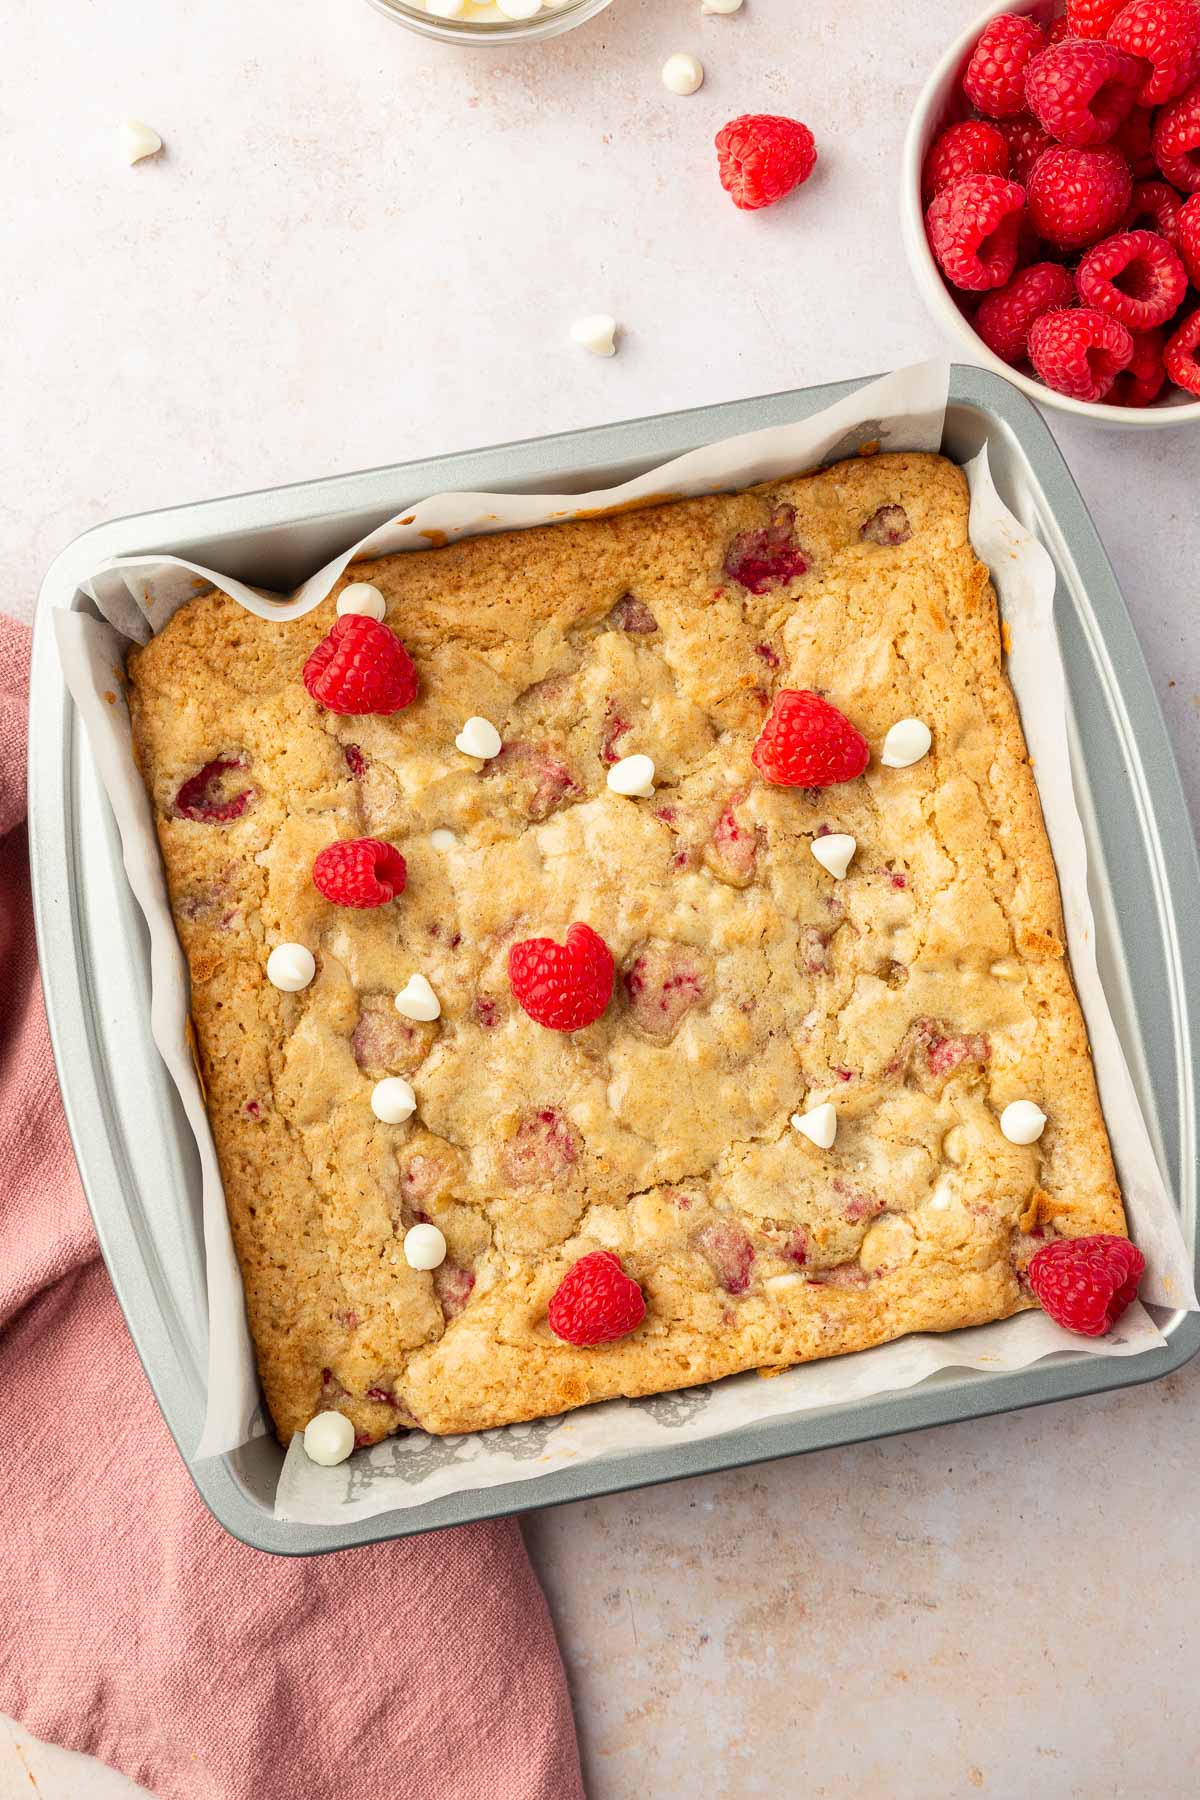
(720, 6)
(682, 74)
(906, 743)
(328, 1439)
(442, 839)
(417, 1000)
(819, 1125)
(290, 967)
(424, 1247)
(361, 597)
(138, 140)
(392, 1100)
(597, 333)
(833, 852)
(633, 775)
(478, 737)
(1022, 1122)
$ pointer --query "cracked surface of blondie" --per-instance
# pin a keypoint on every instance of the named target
(921, 994)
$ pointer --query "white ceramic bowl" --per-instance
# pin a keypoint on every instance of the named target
(931, 112)
(499, 33)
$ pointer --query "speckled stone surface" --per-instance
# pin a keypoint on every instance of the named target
(358, 247)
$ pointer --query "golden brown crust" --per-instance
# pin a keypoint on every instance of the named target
(922, 994)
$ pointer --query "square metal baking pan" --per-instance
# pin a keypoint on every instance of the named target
(134, 1149)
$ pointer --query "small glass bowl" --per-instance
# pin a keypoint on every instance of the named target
(490, 31)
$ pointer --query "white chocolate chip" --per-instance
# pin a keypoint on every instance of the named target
(819, 1125)
(290, 967)
(478, 737)
(138, 140)
(392, 1100)
(445, 9)
(633, 775)
(328, 1439)
(833, 852)
(682, 74)
(1008, 970)
(596, 332)
(519, 9)
(417, 1000)
(424, 1247)
(1022, 1122)
(776, 1282)
(720, 6)
(906, 743)
(361, 597)
(441, 839)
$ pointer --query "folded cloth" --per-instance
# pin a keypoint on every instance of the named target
(134, 1627)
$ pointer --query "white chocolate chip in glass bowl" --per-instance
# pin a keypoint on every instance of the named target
(445, 9)
(424, 1247)
(392, 1100)
(819, 1125)
(633, 775)
(834, 852)
(1022, 1122)
(906, 743)
(361, 597)
(519, 9)
(480, 738)
(682, 74)
(417, 1000)
(138, 140)
(291, 967)
(596, 332)
(328, 1439)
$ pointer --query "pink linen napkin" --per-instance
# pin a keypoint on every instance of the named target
(131, 1625)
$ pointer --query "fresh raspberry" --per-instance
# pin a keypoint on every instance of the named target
(564, 987)
(1059, 31)
(1078, 196)
(1136, 277)
(1004, 318)
(1180, 355)
(1187, 241)
(1166, 34)
(1142, 379)
(1080, 353)
(1092, 18)
(1154, 207)
(1133, 139)
(761, 157)
(995, 76)
(1177, 141)
(972, 147)
(973, 230)
(1086, 1283)
(359, 872)
(204, 796)
(806, 742)
(1081, 92)
(361, 667)
(1026, 140)
(595, 1302)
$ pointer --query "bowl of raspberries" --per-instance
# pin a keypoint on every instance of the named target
(1051, 202)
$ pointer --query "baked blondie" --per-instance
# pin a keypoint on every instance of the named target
(920, 995)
